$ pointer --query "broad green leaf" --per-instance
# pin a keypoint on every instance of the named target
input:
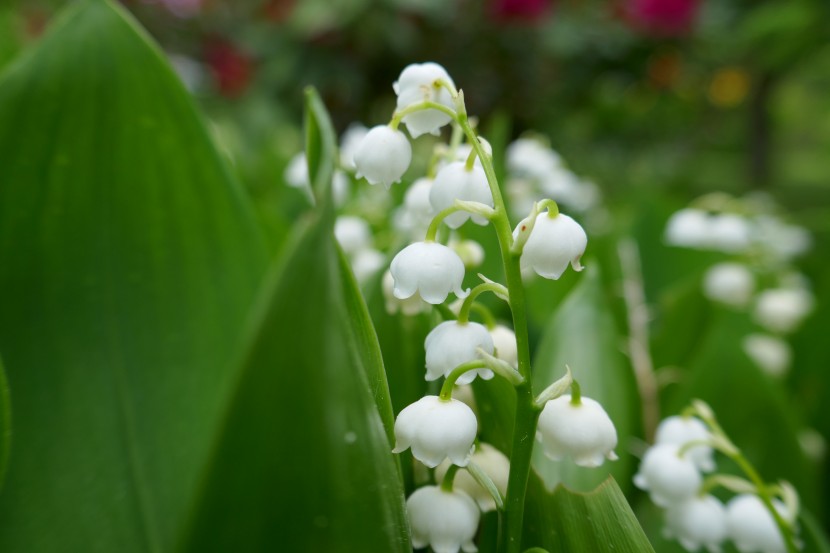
(5, 424)
(582, 334)
(812, 534)
(320, 144)
(128, 262)
(598, 521)
(303, 462)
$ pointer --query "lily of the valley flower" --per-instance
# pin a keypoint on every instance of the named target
(436, 429)
(554, 242)
(782, 309)
(697, 522)
(729, 283)
(383, 156)
(752, 527)
(352, 233)
(456, 182)
(416, 84)
(494, 463)
(504, 339)
(409, 306)
(772, 354)
(444, 520)
(582, 431)
(668, 477)
(451, 344)
(683, 430)
(430, 269)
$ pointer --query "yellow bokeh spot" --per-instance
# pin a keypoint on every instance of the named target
(729, 87)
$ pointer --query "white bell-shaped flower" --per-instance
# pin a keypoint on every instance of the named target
(350, 142)
(383, 156)
(583, 431)
(456, 182)
(409, 306)
(494, 463)
(416, 84)
(470, 252)
(416, 213)
(729, 283)
(452, 343)
(688, 228)
(436, 429)
(752, 527)
(366, 263)
(445, 521)
(682, 430)
(430, 269)
(772, 354)
(554, 243)
(729, 233)
(296, 172)
(528, 157)
(504, 339)
(352, 233)
(668, 477)
(697, 522)
(782, 309)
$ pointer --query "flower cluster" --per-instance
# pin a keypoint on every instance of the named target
(676, 472)
(762, 247)
(459, 189)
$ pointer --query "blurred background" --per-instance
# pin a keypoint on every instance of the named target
(658, 103)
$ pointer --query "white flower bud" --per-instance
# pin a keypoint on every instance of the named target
(783, 241)
(494, 463)
(668, 477)
(772, 355)
(446, 521)
(688, 228)
(352, 233)
(554, 242)
(682, 430)
(416, 84)
(697, 522)
(529, 157)
(366, 263)
(504, 339)
(752, 527)
(729, 233)
(456, 182)
(383, 156)
(409, 306)
(436, 429)
(429, 268)
(470, 252)
(349, 143)
(729, 283)
(782, 309)
(296, 172)
(450, 344)
(584, 431)
(416, 213)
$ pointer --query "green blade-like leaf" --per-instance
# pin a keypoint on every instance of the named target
(598, 521)
(303, 462)
(128, 262)
(583, 335)
(320, 145)
(5, 424)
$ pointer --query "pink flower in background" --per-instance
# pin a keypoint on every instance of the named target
(231, 67)
(662, 17)
(526, 11)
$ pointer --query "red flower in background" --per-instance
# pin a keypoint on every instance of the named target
(231, 67)
(526, 11)
(662, 17)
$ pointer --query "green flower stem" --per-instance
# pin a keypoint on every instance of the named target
(551, 206)
(446, 483)
(524, 426)
(432, 230)
(576, 393)
(449, 382)
(487, 318)
(496, 288)
(398, 115)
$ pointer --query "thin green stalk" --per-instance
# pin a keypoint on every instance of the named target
(524, 428)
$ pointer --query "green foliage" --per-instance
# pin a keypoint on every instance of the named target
(302, 462)
(598, 521)
(5, 424)
(128, 263)
(581, 333)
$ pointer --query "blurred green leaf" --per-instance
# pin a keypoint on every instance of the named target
(597, 521)
(128, 262)
(582, 334)
(5, 424)
(812, 534)
(320, 144)
(303, 462)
